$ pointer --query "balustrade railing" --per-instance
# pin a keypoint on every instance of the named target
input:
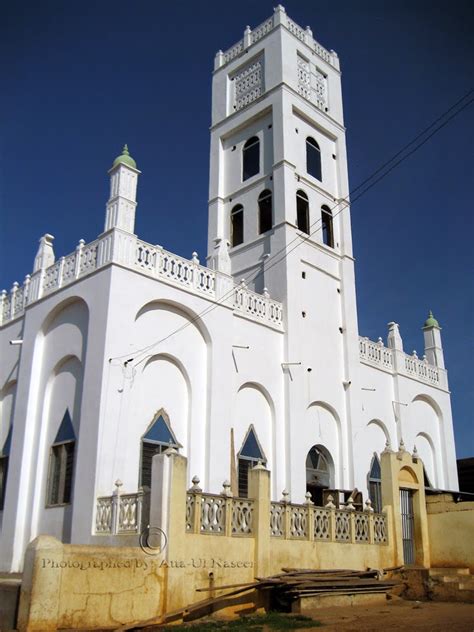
(122, 514)
(252, 36)
(307, 522)
(376, 354)
(214, 514)
(143, 257)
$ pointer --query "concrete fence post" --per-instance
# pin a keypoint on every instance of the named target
(259, 490)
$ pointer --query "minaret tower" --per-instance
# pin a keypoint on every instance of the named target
(122, 202)
(433, 345)
(278, 195)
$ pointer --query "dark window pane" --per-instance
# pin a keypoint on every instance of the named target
(265, 212)
(237, 225)
(55, 475)
(326, 221)
(3, 479)
(244, 466)
(68, 478)
(313, 159)
(251, 158)
(302, 212)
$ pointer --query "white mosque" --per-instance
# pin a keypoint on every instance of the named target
(121, 348)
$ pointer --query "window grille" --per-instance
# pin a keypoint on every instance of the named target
(249, 456)
(61, 464)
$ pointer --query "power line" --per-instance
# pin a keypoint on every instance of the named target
(384, 169)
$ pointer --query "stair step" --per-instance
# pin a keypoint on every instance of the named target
(449, 571)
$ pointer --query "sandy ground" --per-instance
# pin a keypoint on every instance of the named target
(398, 615)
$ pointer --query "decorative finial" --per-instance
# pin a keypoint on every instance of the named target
(285, 496)
(350, 504)
(196, 480)
(330, 504)
(368, 506)
(308, 500)
(226, 490)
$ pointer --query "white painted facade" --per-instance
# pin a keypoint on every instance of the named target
(121, 329)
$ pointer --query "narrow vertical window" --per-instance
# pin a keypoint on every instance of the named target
(313, 158)
(302, 211)
(265, 213)
(61, 464)
(375, 484)
(248, 457)
(4, 458)
(326, 224)
(158, 438)
(237, 225)
(251, 158)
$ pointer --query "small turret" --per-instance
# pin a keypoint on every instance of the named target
(394, 340)
(123, 193)
(45, 255)
(433, 345)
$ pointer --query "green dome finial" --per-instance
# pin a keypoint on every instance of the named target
(431, 321)
(125, 159)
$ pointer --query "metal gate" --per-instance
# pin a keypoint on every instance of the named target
(408, 532)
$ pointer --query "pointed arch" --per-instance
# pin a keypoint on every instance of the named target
(157, 438)
(374, 480)
(380, 424)
(250, 454)
(319, 473)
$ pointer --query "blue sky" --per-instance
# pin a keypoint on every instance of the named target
(80, 79)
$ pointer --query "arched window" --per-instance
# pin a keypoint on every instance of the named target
(326, 223)
(158, 438)
(237, 225)
(302, 211)
(265, 213)
(4, 457)
(318, 474)
(375, 484)
(61, 463)
(251, 158)
(250, 454)
(313, 158)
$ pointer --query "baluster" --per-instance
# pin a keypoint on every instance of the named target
(79, 249)
(12, 298)
(116, 507)
(60, 271)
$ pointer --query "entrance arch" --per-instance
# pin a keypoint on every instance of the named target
(319, 473)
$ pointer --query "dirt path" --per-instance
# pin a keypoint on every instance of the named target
(398, 616)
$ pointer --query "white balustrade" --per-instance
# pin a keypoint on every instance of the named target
(277, 519)
(143, 257)
(103, 515)
(376, 353)
(266, 27)
(322, 524)
(122, 514)
(380, 529)
(261, 30)
(342, 525)
(295, 29)
(298, 521)
(361, 527)
(242, 516)
(213, 514)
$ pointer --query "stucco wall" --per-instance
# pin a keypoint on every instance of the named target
(451, 530)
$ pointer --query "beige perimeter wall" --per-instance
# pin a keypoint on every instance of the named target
(451, 531)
